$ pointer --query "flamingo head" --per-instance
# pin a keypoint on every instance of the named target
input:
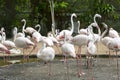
(105, 25)
(95, 25)
(111, 28)
(74, 15)
(98, 15)
(23, 20)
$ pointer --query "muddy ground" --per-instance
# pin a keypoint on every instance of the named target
(102, 70)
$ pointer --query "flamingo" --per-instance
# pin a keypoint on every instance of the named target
(29, 30)
(47, 54)
(84, 31)
(21, 34)
(113, 33)
(68, 32)
(47, 40)
(2, 30)
(112, 44)
(80, 40)
(91, 50)
(4, 50)
(9, 44)
(68, 50)
(38, 25)
(50, 35)
(23, 42)
(36, 36)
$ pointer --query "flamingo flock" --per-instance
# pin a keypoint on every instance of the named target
(62, 39)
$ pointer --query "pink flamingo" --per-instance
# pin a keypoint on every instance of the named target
(4, 50)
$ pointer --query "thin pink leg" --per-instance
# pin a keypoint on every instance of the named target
(67, 68)
(49, 70)
(117, 66)
(30, 53)
(80, 72)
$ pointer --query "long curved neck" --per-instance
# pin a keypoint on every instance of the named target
(78, 26)
(23, 28)
(99, 31)
(72, 23)
(43, 46)
(39, 27)
(14, 33)
(103, 34)
(90, 32)
(95, 19)
(3, 37)
(64, 37)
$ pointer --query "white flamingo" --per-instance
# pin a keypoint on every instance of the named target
(21, 34)
(91, 50)
(38, 25)
(23, 42)
(47, 54)
(113, 44)
(84, 31)
(68, 32)
(2, 30)
(36, 36)
(81, 40)
(50, 35)
(47, 40)
(113, 33)
(29, 30)
(9, 44)
(4, 50)
(68, 50)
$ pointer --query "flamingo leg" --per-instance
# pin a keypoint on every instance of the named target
(23, 56)
(78, 73)
(109, 57)
(30, 53)
(4, 59)
(89, 64)
(80, 57)
(49, 70)
(117, 66)
(67, 68)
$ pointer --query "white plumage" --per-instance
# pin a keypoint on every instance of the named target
(68, 49)
(67, 32)
(46, 53)
(113, 33)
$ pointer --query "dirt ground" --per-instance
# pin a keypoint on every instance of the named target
(104, 69)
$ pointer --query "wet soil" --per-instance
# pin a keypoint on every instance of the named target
(103, 69)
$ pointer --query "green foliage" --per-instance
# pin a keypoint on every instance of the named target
(59, 6)
(38, 11)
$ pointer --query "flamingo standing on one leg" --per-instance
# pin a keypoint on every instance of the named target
(47, 54)
(67, 49)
